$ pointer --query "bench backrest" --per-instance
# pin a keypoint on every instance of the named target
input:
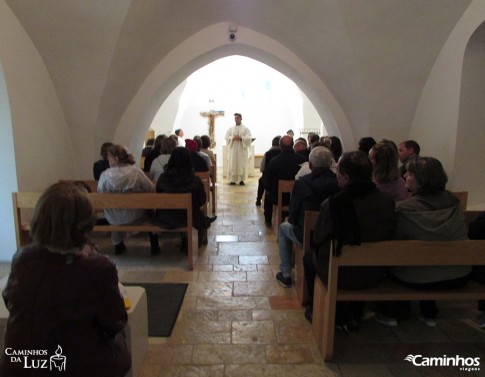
(284, 187)
(412, 253)
(308, 227)
(141, 201)
(28, 200)
(206, 181)
(462, 197)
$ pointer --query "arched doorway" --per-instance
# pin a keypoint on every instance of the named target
(270, 102)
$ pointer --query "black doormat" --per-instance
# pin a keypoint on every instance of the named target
(163, 303)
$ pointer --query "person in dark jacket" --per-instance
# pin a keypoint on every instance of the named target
(268, 156)
(359, 212)
(63, 296)
(153, 154)
(198, 162)
(179, 177)
(307, 195)
(103, 164)
(284, 166)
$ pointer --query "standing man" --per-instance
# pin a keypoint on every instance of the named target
(283, 166)
(238, 140)
(180, 137)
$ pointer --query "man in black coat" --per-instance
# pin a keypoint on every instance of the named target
(284, 166)
(307, 195)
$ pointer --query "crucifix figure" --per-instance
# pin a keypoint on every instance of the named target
(212, 115)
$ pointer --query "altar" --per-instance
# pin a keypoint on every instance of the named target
(251, 172)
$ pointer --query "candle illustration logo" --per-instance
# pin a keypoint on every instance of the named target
(58, 361)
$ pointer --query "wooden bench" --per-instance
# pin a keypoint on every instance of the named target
(462, 197)
(23, 201)
(213, 190)
(299, 252)
(206, 181)
(284, 187)
(391, 253)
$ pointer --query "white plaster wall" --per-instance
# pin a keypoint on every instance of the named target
(43, 152)
(470, 156)
(164, 121)
(38, 145)
(435, 124)
(8, 183)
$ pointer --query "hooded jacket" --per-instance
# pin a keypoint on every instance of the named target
(124, 179)
(430, 218)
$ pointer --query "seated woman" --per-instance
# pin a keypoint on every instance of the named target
(62, 293)
(179, 177)
(158, 164)
(124, 177)
(385, 173)
(430, 214)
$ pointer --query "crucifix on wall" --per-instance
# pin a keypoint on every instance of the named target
(211, 120)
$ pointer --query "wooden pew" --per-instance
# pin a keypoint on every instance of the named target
(205, 178)
(213, 190)
(284, 187)
(391, 253)
(299, 252)
(471, 216)
(26, 201)
(462, 197)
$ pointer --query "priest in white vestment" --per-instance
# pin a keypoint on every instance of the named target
(238, 141)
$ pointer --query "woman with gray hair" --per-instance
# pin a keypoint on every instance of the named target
(305, 167)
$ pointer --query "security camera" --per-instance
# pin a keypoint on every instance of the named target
(232, 30)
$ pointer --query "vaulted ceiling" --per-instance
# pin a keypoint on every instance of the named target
(374, 55)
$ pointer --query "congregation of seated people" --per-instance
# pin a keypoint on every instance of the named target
(117, 172)
(379, 200)
(371, 197)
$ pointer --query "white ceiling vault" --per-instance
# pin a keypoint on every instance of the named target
(372, 58)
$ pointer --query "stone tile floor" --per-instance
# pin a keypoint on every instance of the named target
(237, 321)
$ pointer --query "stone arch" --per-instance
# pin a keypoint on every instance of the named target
(470, 137)
(196, 52)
